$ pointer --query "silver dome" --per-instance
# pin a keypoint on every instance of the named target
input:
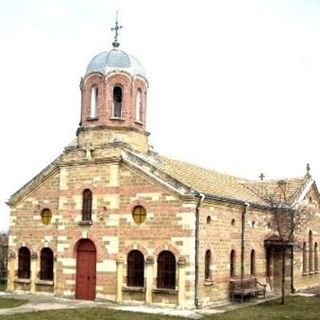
(114, 60)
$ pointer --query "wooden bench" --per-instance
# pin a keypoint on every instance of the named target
(250, 287)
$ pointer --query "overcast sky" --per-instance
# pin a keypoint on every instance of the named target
(234, 85)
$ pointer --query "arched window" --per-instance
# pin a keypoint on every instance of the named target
(310, 252)
(139, 105)
(253, 263)
(135, 269)
(232, 263)
(166, 277)
(304, 257)
(117, 102)
(316, 257)
(46, 264)
(24, 263)
(86, 205)
(94, 102)
(207, 264)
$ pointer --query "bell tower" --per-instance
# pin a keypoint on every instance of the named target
(114, 100)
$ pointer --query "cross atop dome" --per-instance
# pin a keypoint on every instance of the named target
(116, 43)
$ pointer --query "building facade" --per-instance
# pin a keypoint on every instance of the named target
(112, 219)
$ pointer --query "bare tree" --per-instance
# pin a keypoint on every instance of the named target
(289, 217)
(3, 258)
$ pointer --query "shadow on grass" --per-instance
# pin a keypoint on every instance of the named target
(11, 303)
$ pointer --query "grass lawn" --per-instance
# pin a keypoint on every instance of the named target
(296, 308)
(11, 303)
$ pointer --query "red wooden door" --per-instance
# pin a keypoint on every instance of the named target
(86, 270)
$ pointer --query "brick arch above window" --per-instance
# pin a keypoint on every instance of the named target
(169, 247)
(207, 246)
(88, 186)
(95, 77)
(138, 202)
(27, 244)
(46, 244)
(135, 246)
(123, 78)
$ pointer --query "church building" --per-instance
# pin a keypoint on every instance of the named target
(112, 219)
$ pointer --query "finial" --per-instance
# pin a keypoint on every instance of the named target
(116, 43)
(308, 168)
(262, 176)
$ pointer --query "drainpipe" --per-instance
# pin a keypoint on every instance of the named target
(243, 224)
(196, 280)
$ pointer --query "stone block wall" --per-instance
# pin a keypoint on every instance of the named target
(220, 232)
(116, 189)
(170, 225)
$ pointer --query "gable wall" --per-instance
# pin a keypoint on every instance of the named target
(116, 190)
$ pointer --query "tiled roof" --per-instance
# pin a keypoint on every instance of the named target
(207, 181)
(223, 185)
(276, 191)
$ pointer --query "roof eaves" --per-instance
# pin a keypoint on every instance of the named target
(133, 159)
(142, 163)
(235, 201)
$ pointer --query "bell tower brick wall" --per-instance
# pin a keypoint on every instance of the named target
(105, 127)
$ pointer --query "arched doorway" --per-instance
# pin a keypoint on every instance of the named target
(86, 270)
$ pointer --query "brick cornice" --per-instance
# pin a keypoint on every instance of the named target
(113, 127)
(82, 162)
